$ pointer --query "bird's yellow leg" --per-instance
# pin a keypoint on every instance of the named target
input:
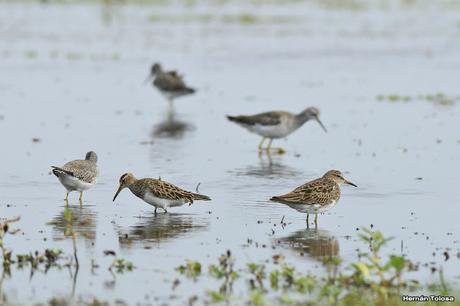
(277, 150)
(269, 147)
(67, 196)
(261, 143)
(280, 150)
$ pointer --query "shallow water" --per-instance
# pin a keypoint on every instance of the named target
(72, 77)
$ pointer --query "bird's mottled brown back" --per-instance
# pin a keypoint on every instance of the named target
(84, 170)
(160, 189)
(169, 82)
(319, 191)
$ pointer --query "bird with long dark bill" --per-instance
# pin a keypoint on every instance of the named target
(276, 124)
(157, 192)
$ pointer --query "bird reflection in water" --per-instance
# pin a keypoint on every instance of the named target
(171, 127)
(79, 219)
(317, 243)
(269, 166)
(159, 228)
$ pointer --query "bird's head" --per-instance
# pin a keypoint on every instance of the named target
(312, 113)
(156, 68)
(91, 156)
(337, 177)
(125, 181)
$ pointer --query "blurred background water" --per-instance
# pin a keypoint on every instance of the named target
(383, 73)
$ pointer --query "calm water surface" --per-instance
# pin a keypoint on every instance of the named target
(72, 77)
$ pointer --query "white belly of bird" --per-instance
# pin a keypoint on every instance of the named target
(161, 203)
(71, 183)
(313, 208)
(271, 131)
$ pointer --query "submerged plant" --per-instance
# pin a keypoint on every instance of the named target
(121, 265)
(4, 230)
(191, 269)
(371, 280)
(437, 99)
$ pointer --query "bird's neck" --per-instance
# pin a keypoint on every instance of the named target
(302, 118)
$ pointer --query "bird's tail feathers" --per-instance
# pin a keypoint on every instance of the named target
(57, 171)
(232, 118)
(190, 90)
(280, 199)
(202, 197)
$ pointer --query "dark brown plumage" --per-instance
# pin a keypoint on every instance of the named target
(320, 191)
(268, 118)
(164, 190)
(170, 83)
(158, 193)
(316, 196)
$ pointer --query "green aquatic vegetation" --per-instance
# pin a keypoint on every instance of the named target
(32, 54)
(49, 258)
(121, 265)
(243, 19)
(371, 280)
(74, 56)
(203, 18)
(438, 99)
(191, 269)
(115, 57)
(344, 4)
(5, 229)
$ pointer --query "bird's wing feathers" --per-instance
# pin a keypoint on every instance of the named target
(175, 74)
(170, 82)
(269, 118)
(165, 190)
(83, 170)
(315, 192)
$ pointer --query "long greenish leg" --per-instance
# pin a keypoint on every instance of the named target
(261, 143)
(67, 196)
(171, 105)
(316, 220)
(269, 144)
(278, 150)
(81, 196)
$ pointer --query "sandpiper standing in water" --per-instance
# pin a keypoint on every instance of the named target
(158, 193)
(170, 84)
(316, 196)
(276, 124)
(78, 175)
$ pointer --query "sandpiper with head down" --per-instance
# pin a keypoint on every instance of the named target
(276, 124)
(169, 83)
(78, 175)
(316, 196)
(158, 193)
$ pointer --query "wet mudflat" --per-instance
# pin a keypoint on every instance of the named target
(71, 81)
